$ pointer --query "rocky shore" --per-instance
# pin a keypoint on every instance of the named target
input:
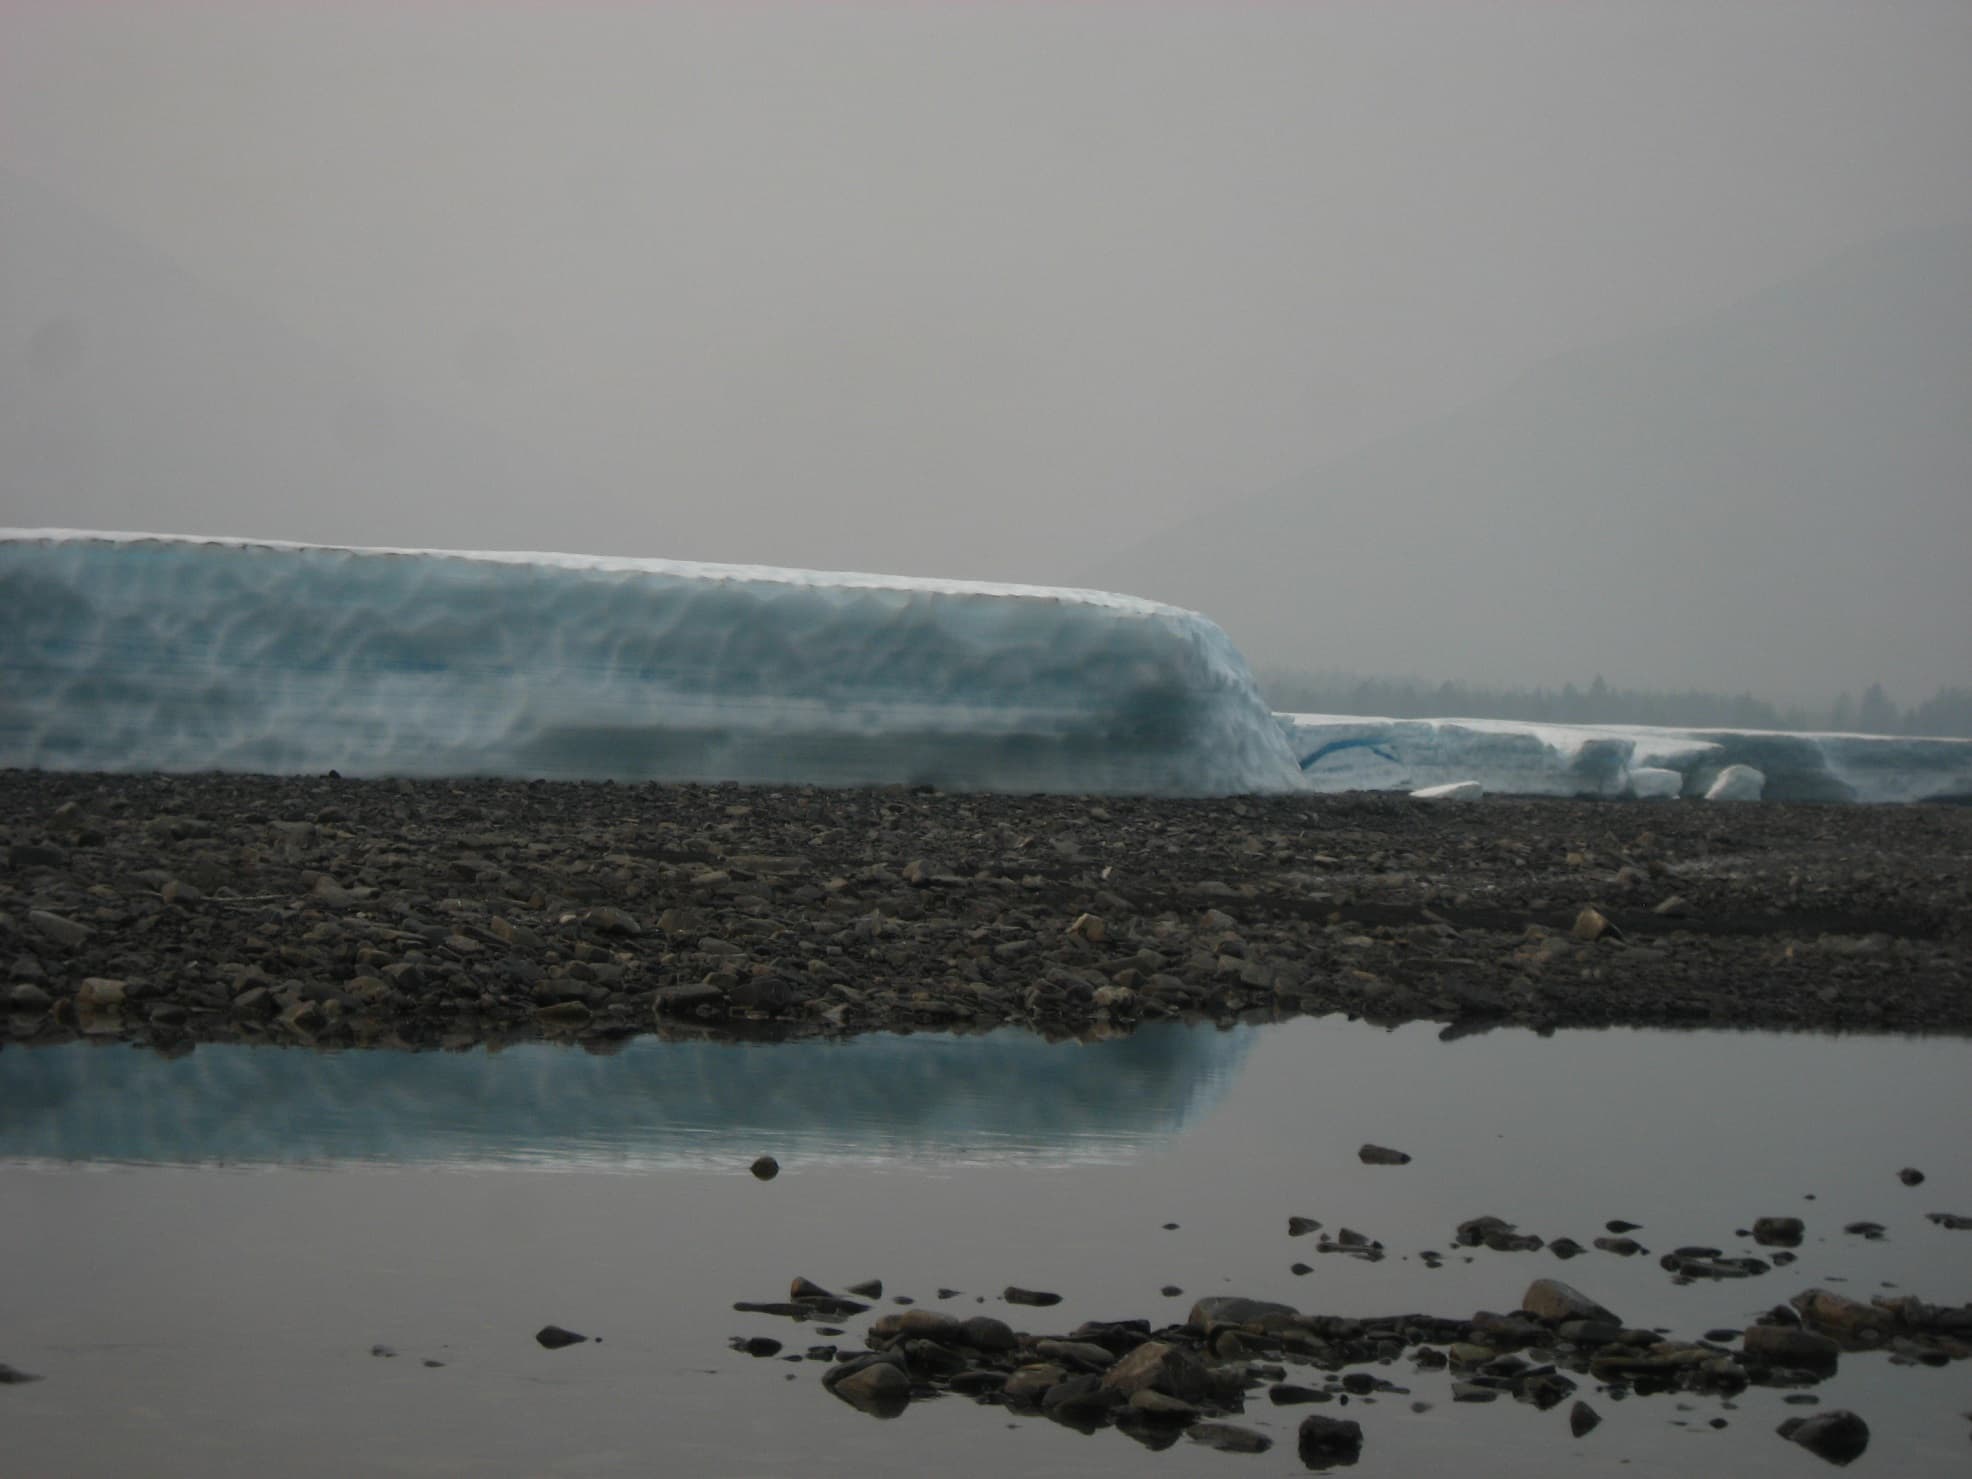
(1157, 1385)
(331, 912)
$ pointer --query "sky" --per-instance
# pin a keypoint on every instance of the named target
(964, 289)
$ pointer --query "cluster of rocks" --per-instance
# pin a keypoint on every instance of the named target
(323, 911)
(1160, 1384)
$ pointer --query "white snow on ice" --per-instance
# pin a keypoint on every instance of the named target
(145, 652)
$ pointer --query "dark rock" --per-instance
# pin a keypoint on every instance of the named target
(1469, 1391)
(1082, 1393)
(878, 1387)
(1329, 1442)
(870, 1289)
(1232, 1309)
(1787, 1345)
(1286, 1394)
(25, 996)
(1039, 1298)
(685, 999)
(1565, 1248)
(1553, 1301)
(978, 1382)
(984, 1333)
(1298, 1227)
(383, 1350)
(1158, 1366)
(1229, 1437)
(1778, 1232)
(13, 1376)
(1382, 1155)
(553, 1337)
(1874, 1231)
(1624, 1247)
(1953, 1220)
(1911, 1176)
(1837, 1436)
(61, 930)
(760, 1346)
(765, 1168)
(1618, 1225)
(1583, 1419)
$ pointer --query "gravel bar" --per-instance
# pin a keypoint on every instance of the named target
(331, 912)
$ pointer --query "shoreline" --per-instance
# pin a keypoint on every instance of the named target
(334, 913)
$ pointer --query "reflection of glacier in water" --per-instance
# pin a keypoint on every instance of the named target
(1003, 1095)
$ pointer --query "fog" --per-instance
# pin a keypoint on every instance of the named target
(1512, 342)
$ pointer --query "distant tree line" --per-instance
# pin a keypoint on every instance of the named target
(1948, 712)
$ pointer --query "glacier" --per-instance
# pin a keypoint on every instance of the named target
(171, 653)
(1348, 752)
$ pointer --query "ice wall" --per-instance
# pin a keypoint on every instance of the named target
(134, 652)
(1340, 752)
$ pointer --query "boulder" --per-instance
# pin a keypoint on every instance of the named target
(1158, 1366)
(1553, 1301)
(1778, 1232)
(1837, 1436)
(1329, 1442)
(1788, 1345)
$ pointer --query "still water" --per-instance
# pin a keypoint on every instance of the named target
(200, 1253)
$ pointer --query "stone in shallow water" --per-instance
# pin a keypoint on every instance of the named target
(553, 1337)
(1229, 1437)
(1039, 1298)
(1382, 1155)
(1838, 1436)
(1329, 1442)
(1553, 1301)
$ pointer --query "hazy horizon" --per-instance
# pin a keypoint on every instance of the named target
(1001, 293)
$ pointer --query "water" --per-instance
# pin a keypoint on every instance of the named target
(200, 1308)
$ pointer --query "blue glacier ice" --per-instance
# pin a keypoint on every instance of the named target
(1347, 752)
(135, 652)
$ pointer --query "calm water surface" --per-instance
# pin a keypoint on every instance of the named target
(200, 1253)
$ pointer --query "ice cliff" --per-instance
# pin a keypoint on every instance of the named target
(135, 652)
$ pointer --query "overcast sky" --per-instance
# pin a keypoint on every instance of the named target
(971, 289)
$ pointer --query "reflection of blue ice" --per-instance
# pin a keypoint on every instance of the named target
(1005, 1094)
